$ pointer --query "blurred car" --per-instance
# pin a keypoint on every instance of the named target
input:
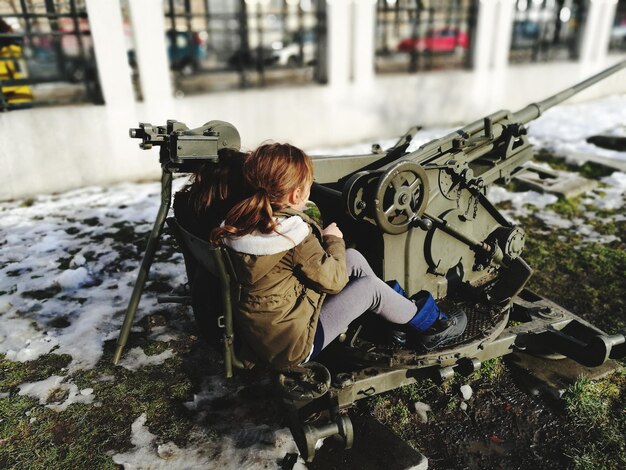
(44, 64)
(525, 34)
(12, 67)
(251, 58)
(70, 59)
(185, 50)
(289, 52)
(440, 40)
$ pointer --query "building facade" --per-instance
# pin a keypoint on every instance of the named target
(316, 73)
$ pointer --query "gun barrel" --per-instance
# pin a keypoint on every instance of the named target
(534, 110)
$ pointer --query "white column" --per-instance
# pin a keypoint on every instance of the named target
(338, 43)
(588, 46)
(107, 32)
(148, 21)
(363, 45)
(597, 31)
(484, 42)
(606, 25)
(503, 29)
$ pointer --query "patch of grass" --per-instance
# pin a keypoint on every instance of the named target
(64, 262)
(604, 222)
(568, 208)
(28, 202)
(36, 437)
(417, 391)
(594, 171)
(41, 294)
(504, 205)
(587, 279)
(91, 221)
(154, 348)
(390, 409)
(85, 436)
(597, 411)
(453, 404)
(16, 373)
(588, 402)
(589, 170)
(18, 272)
(490, 370)
(61, 321)
(12, 290)
(80, 300)
(91, 255)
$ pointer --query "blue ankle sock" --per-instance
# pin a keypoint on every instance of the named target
(427, 313)
(395, 285)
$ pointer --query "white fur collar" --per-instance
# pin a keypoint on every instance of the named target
(292, 230)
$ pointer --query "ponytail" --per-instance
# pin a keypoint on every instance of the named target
(253, 213)
(272, 171)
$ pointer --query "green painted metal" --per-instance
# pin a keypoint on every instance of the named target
(144, 269)
(422, 218)
(181, 150)
(434, 226)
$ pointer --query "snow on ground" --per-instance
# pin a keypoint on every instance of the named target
(64, 244)
(206, 453)
(55, 393)
(610, 197)
(135, 358)
(66, 276)
(564, 129)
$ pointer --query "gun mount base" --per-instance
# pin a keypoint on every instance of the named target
(360, 368)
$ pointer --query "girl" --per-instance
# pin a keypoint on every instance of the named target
(300, 286)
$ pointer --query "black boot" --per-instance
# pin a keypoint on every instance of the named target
(444, 331)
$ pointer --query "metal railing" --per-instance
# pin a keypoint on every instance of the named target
(220, 44)
(416, 35)
(547, 30)
(46, 54)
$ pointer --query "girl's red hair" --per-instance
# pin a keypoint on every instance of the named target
(271, 173)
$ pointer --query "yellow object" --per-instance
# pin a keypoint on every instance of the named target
(14, 95)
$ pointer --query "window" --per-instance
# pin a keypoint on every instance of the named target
(226, 44)
(46, 54)
(414, 35)
(618, 29)
(546, 30)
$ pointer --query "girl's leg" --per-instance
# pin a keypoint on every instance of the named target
(360, 295)
(366, 291)
(357, 265)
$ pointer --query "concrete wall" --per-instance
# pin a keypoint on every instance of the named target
(54, 149)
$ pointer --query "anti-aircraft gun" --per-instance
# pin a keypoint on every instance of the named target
(421, 218)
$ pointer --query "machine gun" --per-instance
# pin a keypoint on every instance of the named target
(182, 150)
(422, 218)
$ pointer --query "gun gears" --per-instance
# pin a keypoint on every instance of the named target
(400, 197)
(394, 199)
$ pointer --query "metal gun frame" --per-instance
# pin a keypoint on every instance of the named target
(421, 218)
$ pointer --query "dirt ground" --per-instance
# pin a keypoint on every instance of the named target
(504, 427)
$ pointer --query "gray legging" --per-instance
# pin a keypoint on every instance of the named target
(364, 291)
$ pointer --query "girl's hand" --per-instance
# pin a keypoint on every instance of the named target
(332, 229)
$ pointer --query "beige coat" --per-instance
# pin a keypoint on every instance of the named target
(284, 279)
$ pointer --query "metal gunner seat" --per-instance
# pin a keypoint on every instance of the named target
(213, 285)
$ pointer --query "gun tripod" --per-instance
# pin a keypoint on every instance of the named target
(146, 263)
